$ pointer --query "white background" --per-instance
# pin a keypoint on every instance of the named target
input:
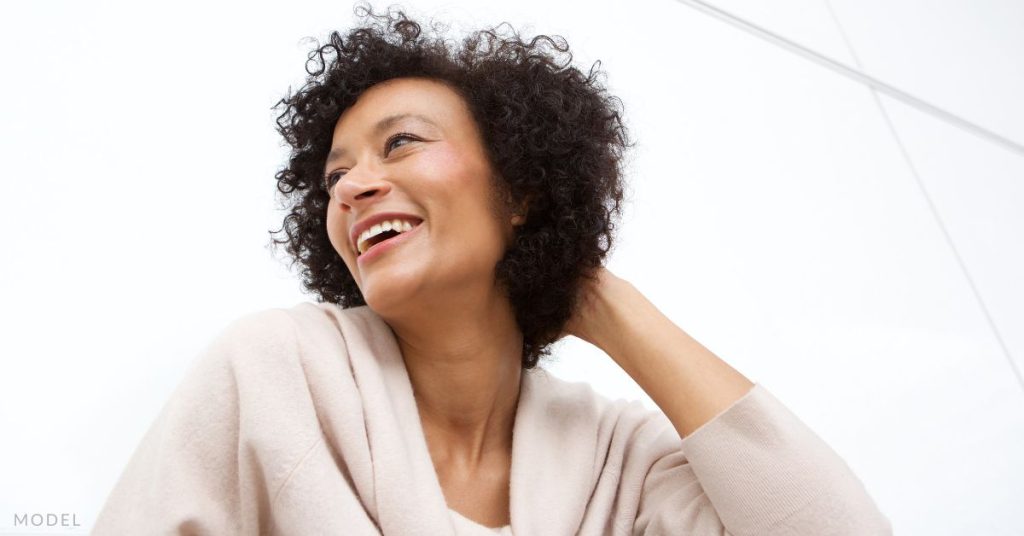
(856, 256)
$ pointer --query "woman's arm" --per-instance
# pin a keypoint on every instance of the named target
(199, 469)
(746, 465)
(688, 382)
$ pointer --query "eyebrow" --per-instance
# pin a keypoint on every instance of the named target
(381, 125)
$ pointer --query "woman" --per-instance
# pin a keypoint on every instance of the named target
(452, 210)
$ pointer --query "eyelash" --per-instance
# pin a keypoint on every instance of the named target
(331, 178)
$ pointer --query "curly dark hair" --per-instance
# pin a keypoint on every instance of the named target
(554, 135)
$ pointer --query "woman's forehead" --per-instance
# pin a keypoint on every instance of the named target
(422, 97)
(428, 103)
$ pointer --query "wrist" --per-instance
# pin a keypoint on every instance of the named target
(611, 313)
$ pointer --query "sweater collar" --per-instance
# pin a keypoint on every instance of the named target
(554, 446)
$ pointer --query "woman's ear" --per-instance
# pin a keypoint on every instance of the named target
(519, 214)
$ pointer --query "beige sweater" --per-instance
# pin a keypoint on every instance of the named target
(302, 421)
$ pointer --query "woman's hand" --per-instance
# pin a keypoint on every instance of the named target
(592, 314)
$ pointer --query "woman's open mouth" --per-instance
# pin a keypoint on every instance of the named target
(385, 242)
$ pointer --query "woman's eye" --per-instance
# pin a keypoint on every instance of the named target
(401, 135)
(331, 179)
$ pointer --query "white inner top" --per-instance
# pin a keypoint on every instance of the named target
(467, 527)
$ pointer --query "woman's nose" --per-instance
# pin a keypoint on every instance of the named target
(359, 187)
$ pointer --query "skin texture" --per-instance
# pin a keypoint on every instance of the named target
(454, 325)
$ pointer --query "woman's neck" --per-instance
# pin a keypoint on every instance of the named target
(465, 369)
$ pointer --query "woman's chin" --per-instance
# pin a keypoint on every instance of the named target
(386, 299)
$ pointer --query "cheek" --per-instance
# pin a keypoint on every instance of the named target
(333, 224)
(458, 190)
(336, 232)
(478, 237)
(456, 175)
(443, 167)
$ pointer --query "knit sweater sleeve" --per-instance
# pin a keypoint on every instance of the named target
(196, 469)
(754, 469)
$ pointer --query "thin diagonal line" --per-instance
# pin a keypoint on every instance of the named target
(931, 206)
(856, 75)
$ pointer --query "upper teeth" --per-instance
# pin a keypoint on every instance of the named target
(397, 225)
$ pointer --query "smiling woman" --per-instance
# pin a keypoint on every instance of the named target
(501, 120)
(439, 182)
(451, 210)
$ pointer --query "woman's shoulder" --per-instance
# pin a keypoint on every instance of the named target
(574, 392)
(303, 319)
(571, 433)
(282, 321)
(282, 336)
(322, 313)
(579, 404)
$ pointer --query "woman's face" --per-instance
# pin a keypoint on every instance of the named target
(410, 146)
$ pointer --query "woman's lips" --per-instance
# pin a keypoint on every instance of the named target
(380, 248)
